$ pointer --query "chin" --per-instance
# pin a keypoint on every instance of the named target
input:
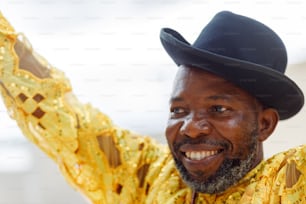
(228, 174)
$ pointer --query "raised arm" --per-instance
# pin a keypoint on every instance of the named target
(106, 163)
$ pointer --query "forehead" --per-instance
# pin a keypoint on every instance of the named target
(198, 82)
(191, 76)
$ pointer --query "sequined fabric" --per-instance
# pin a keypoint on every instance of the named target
(111, 165)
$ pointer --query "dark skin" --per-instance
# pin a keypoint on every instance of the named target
(212, 120)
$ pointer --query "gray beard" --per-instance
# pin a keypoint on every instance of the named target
(229, 173)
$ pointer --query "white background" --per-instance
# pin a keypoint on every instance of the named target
(110, 51)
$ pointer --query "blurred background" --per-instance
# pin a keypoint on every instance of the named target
(110, 51)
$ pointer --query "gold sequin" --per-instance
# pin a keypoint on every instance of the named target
(2, 50)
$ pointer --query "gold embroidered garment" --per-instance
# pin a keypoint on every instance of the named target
(111, 165)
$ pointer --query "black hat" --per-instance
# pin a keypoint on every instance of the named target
(244, 52)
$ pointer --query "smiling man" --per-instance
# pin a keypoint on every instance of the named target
(213, 139)
(229, 93)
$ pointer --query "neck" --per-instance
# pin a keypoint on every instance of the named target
(260, 155)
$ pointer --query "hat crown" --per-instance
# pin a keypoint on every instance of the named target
(246, 53)
(243, 38)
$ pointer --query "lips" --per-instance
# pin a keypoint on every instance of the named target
(200, 151)
(200, 159)
(199, 155)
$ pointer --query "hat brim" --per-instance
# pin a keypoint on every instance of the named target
(272, 88)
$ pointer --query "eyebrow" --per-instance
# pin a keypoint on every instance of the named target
(175, 99)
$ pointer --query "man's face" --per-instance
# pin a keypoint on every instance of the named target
(212, 130)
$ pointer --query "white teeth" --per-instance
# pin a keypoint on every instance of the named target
(198, 155)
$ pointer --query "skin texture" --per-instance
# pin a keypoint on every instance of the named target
(211, 116)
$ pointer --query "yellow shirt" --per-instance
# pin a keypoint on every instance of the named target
(112, 165)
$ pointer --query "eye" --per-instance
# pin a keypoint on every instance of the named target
(177, 111)
(219, 109)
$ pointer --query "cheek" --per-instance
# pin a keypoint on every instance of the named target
(232, 124)
(230, 128)
(237, 132)
(172, 131)
(237, 121)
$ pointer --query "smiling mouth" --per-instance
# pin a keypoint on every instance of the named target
(199, 155)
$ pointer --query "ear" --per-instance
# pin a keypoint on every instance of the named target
(267, 121)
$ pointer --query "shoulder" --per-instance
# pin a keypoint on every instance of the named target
(295, 183)
(285, 175)
(286, 169)
(297, 157)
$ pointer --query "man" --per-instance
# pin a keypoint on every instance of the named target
(229, 93)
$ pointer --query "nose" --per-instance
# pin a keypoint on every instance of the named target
(194, 128)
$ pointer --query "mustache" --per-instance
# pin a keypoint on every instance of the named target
(200, 140)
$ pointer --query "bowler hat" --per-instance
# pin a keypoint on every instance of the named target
(244, 52)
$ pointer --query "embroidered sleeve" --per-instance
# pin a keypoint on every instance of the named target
(106, 163)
